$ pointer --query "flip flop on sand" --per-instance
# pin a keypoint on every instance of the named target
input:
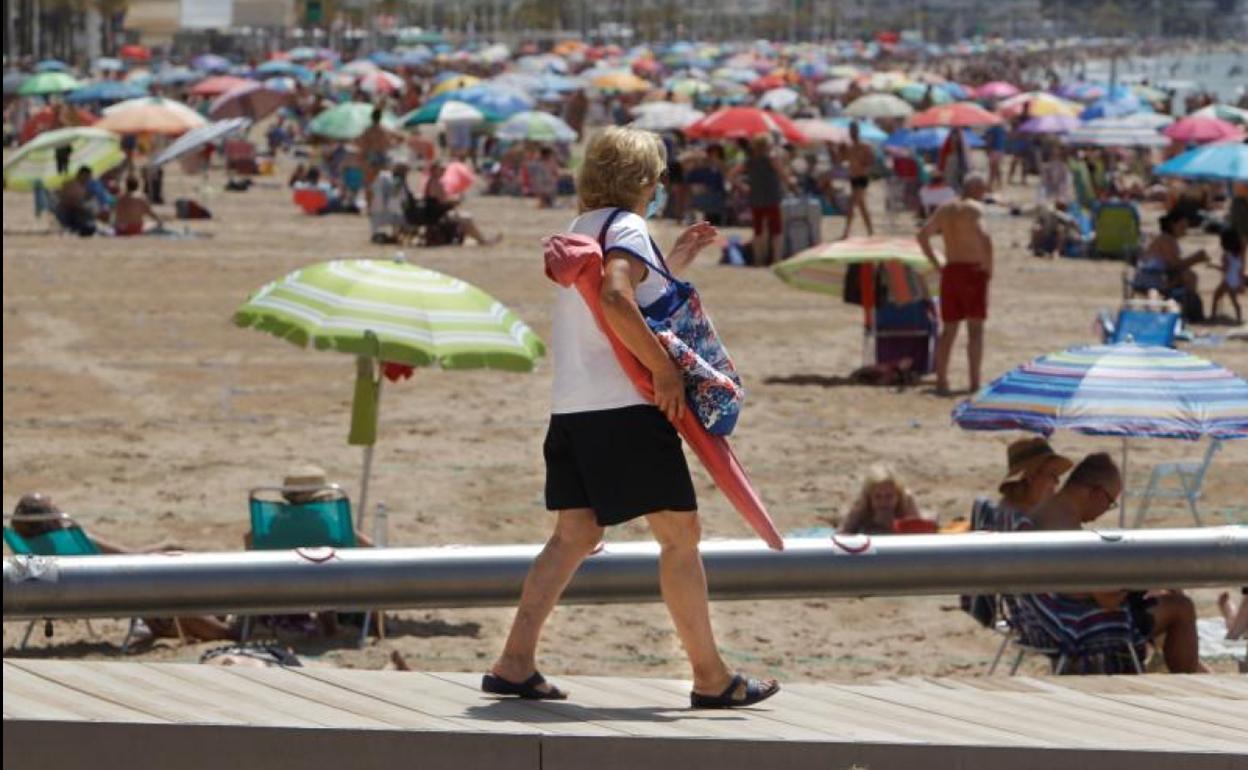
(754, 691)
(529, 689)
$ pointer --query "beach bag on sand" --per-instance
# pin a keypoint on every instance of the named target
(712, 386)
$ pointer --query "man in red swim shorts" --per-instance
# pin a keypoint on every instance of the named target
(963, 278)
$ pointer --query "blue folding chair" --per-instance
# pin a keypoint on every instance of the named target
(63, 541)
(1144, 327)
(325, 522)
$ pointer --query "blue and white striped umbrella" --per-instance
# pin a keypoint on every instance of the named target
(1122, 390)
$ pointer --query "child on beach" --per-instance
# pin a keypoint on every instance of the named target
(882, 501)
(1232, 273)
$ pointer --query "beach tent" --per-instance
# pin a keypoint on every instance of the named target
(390, 315)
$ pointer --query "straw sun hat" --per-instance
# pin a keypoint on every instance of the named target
(307, 477)
(1028, 454)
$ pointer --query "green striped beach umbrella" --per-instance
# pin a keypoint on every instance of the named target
(390, 311)
(96, 148)
(44, 83)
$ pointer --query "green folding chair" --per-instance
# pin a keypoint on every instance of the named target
(1117, 227)
(64, 541)
(279, 525)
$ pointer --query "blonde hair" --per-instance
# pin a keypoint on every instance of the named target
(881, 473)
(620, 165)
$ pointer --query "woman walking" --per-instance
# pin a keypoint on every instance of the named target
(610, 455)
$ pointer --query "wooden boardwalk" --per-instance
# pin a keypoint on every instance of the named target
(71, 715)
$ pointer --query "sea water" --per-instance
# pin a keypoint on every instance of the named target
(1215, 72)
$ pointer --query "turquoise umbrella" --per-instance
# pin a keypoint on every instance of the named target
(1220, 162)
(347, 121)
(394, 312)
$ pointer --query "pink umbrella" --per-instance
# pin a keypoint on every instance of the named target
(956, 115)
(215, 86)
(997, 89)
(253, 100)
(1201, 130)
(457, 178)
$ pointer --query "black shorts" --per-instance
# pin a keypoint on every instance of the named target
(859, 182)
(620, 463)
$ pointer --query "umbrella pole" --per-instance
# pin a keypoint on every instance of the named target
(368, 470)
(1122, 505)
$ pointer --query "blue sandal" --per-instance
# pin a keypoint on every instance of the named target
(756, 691)
(526, 690)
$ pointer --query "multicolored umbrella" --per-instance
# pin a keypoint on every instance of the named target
(1116, 132)
(454, 83)
(497, 99)
(94, 148)
(380, 82)
(348, 121)
(1037, 104)
(1213, 162)
(1124, 390)
(215, 86)
(1223, 112)
(535, 127)
(957, 115)
(445, 112)
(743, 123)
(822, 268)
(151, 115)
(380, 310)
(1202, 130)
(51, 82)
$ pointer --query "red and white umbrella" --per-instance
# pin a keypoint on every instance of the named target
(1201, 130)
(743, 123)
(381, 82)
(956, 115)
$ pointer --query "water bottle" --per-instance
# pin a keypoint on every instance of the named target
(380, 526)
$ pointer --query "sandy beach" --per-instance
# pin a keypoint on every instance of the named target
(131, 398)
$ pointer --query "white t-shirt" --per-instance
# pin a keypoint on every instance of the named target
(588, 378)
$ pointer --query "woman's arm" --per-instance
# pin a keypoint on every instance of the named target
(689, 244)
(621, 275)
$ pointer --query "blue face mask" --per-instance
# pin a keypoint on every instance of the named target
(658, 203)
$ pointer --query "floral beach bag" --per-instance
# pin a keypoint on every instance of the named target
(712, 386)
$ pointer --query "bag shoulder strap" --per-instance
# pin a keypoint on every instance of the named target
(660, 268)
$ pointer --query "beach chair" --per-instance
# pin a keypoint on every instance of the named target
(324, 522)
(1143, 327)
(1111, 651)
(1117, 227)
(66, 541)
(1191, 478)
(906, 331)
(241, 157)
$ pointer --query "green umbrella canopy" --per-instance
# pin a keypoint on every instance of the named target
(96, 148)
(347, 121)
(418, 316)
(822, 268)
(44, 83)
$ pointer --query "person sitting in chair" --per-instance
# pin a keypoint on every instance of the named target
(441, 206)
(882, 501)
(36, 514)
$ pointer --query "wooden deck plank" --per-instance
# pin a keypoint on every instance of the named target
(292, 709)
(40, 691)
(1023, 715)
(1171, 711)
(141, 689)
(436, 697)
(366, 706)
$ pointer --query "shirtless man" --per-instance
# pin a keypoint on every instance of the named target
(374, 143)
(131, 209)
(963, 278)
(1092, 490)
(861, 160)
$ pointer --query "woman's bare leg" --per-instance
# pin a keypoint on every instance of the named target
(576, 533)
(683, 581)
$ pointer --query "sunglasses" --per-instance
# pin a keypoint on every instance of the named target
(1111, 502)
